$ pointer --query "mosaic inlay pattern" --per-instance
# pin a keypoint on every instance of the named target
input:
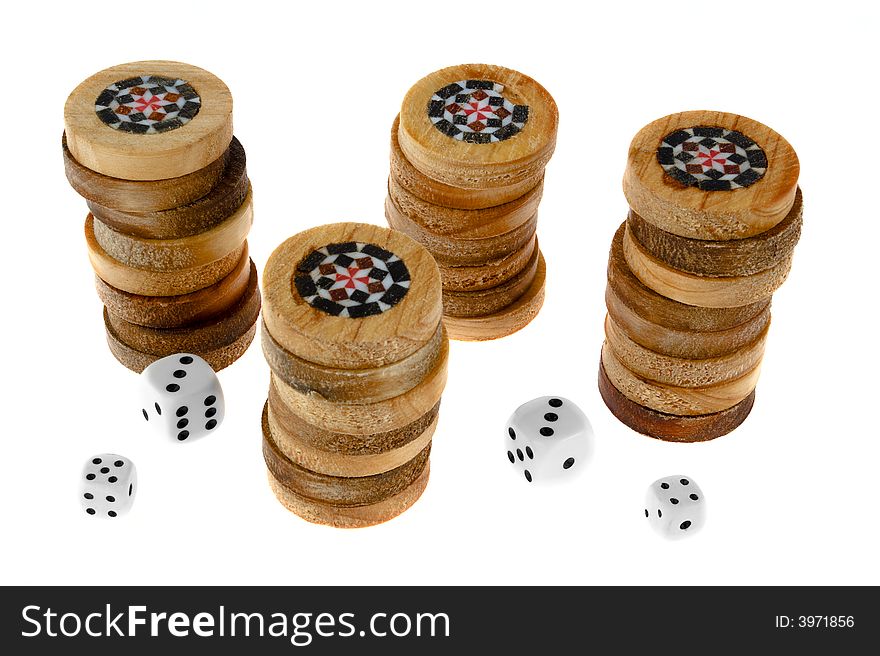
(352, 279)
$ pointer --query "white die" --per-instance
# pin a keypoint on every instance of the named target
(548, 439)
(181, 397)
(108, 485)
(674, 506)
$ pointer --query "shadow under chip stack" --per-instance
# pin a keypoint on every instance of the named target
(352, 332)
(715, 214)
(149, 145)
(468, 153)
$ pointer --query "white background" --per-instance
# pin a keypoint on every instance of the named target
(792, 494)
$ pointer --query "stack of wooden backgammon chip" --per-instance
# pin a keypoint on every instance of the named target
(353, 334)
(149, 145)
(715, 214)
(468, 152)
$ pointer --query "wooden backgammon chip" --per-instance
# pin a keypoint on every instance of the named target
(143, 195)
(683, 343)
(715, 215)
(214, 332)
(483, 302)
(156, 283)
(684, 372)
(338, 490)
(702, 291)
(219, 358)
(438, 193)
(732, 257)
(354, 385)
(672, 428)
(293, 431)
(221, 202)
(366, 418)
(710, 175)
(506, 321)
(343, 454)
(475, 126)
(674, 399)
(466, 224)
(664, 311)
(215, 340)
(318, 512)
(351, 295)
(182, 253)
(149, 120)
(495, 272)
(181, 310)
(359, 356)
(458, 251)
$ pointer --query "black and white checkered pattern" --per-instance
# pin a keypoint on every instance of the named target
(476, 111)
(148, 104)
(352, 279)
(713, 159)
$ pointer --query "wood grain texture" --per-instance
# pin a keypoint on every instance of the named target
(183, 310)
(466, 224)
(674, 400)
(432, 191)
(221, 201)
(672, 428)
(344, 444)
(205, 336)
(505, 322)
(683, 372)
(342, 342)
(141, 196)
(219, 358)
(682, 343)
(732, 257)
(350, 516)
(338, 490)
(490, 301)
(156, 283)
(664, 311)
(491, 274)
(704, 291)
(175, 254)
(171, 154)
(353, 385)
(338, 454)
(717, 215)
(471, 165)
(367, 418)
(453, 251)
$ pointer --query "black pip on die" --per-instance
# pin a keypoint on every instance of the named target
(548, 439)
(108, 485)
(181, 397)
(674, 506)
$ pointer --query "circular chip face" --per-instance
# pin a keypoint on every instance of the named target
(476, 111)
(711, 158)
(710, 175)
(148, 120)
(352, 296)
(148, 104)
(352, 279)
